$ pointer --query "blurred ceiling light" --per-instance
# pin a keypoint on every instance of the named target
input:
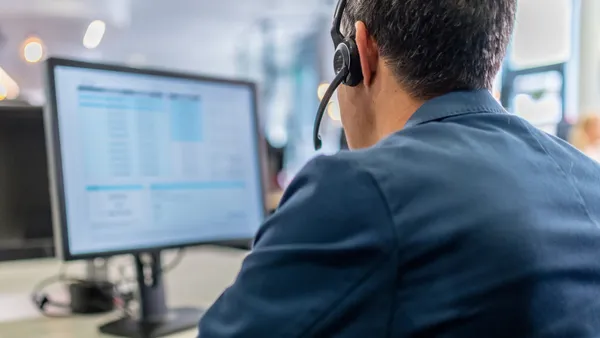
(8, 87)
(94, 34)
(278, 136)
(321, 90)
(333, 110)
(33, 50)
(3, 92)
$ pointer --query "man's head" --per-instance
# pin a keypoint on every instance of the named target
(414, 50)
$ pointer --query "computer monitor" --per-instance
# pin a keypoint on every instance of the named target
(25, 214)
(146, 160)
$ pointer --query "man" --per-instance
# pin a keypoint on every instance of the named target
(450, 217)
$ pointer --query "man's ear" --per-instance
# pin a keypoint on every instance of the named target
(368, 52)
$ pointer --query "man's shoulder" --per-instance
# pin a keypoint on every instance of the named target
(351, 170)
(332, 199)
(363, 161)
(400, 157)
(387, 173)
(341, 174)
(406, 156)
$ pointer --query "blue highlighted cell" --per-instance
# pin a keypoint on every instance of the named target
(199, 185)
(120, 106)
(186, 119)
(103, 105)
(114, 187)
(92, 98)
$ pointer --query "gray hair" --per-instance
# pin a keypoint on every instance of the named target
(437, 46)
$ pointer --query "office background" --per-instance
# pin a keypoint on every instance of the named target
(551, 77)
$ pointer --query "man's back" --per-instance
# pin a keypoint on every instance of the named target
(467, 223)
(501, 230)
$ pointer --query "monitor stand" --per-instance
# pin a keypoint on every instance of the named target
(155, 319)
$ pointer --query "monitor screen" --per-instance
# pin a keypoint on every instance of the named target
(149, 160)
(25, 213)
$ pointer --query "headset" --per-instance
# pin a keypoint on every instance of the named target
(346, 65)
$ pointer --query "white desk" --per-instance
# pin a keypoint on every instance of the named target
(200, 278)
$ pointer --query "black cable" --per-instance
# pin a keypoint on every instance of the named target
(166, 268)
(42, 300)
(337, 81)
(123, 299)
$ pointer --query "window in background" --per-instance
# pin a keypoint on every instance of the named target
(543, 33)
(539, 62)
(537, 95)
(538, 99)
(305, 101)
(285, 62)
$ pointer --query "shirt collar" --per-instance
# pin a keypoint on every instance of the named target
(455, 103)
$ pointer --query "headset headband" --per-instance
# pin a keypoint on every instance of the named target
(341, 72)
(336, 33)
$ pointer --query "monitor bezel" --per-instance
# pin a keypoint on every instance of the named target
(18, 115)
(55, 164)
(21, 112)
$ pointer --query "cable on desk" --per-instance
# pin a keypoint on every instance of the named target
(43, 300)
(121, 294)
(166, 268)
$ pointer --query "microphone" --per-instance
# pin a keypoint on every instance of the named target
(339, 78)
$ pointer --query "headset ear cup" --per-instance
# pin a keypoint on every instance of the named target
(355, 75)
(339, 59)
(346, 56)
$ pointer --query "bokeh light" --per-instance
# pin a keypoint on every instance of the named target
(33, 50)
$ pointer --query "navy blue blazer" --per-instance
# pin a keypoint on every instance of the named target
(469, 222)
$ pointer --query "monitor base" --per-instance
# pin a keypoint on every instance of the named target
(177, 320)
